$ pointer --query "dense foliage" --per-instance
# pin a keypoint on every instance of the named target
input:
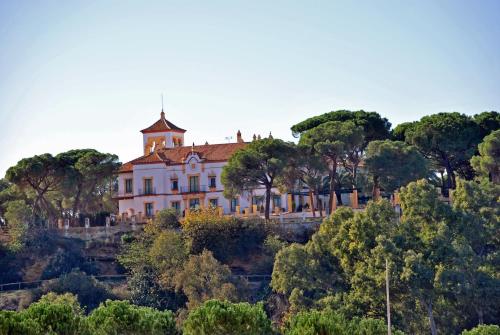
(226, 237)
(260, 163)
(441, 255)
(177, 269)
(61, 315)
(89, 292)
(374, 126)
(483, 330)
(443, 260)
(120, 317)
(328, 322)
(67, 185)
(220, 318)
(394, 164)
(487, 163)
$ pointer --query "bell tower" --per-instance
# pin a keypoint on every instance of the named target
(162, 134)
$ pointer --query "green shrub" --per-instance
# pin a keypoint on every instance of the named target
(483, 330)
(14, 323)
(127, 238)
(166, 219)
(330, 323)
(18, 216)
(270, 247)
(145, 290)
(227, 237)
(89, 291)
(203, 278)
(220, 318)
(66, 261)
(121, 317)
(52, 314)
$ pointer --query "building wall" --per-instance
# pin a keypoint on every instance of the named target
(163, 195)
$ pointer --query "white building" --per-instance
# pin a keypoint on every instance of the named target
(171, 175)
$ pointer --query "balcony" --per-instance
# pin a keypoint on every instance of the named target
(147, 191)
(193, 189)
(122, 195)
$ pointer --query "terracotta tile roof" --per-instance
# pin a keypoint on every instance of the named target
(162, 125)
(171, 156)
(127, 167)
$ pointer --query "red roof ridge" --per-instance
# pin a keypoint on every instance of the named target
(162, 125)
(177, 155)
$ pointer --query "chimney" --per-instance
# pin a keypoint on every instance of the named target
(239, 139)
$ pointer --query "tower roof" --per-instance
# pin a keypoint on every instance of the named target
(162, 125)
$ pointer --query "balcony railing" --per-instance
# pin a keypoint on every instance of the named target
(193, 189)
(147, 191)
(122, 194)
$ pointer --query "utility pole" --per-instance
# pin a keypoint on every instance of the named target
(389, 332)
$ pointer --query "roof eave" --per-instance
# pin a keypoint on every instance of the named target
(146, 131)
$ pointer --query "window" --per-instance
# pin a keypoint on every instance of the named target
(213, 202)
(194, 185)
(194, 203)
(148, 186)
(148, 206)
(176, 205)
(128, 185)
(276, 201)
(177, 142)
(212, 182)
(234, 203)
(174, 184)
(258, 200)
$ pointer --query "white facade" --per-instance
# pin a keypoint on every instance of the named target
(171, 175)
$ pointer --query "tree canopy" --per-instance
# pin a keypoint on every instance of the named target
(259, 164)
(334, 141)
(38, 175)
(487, 122)
(487, 163)
(71, 183)
(216, 317)
(447, 139)
(374, 126)
(330, 323)
(394, 164)
(442, 260)
(121, 317)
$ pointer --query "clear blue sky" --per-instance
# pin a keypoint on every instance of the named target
(78, 74)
